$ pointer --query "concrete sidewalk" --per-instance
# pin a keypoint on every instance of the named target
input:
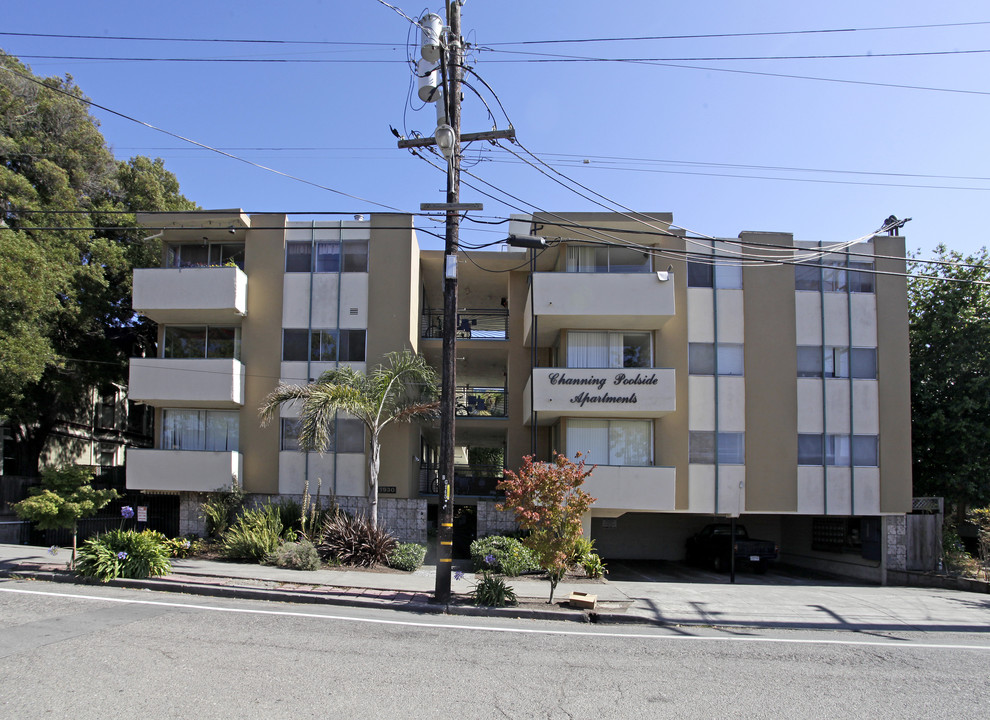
(797, 604)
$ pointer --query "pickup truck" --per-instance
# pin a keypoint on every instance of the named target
(711, 546)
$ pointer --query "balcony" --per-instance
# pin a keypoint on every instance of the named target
(182, 470)
(471, 324)
(593, 392)
(591, 301)
(200, 295)
(170, 382)
(478, 481)
(632, 488)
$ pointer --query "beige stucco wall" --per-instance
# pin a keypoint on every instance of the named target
(771, 391)
(261, 349)
(393, 325)
(894, 378)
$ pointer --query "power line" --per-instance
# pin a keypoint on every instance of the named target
(555, 58)
(779, 179)
(145, 38)
(745, 34)
(90, 103)
(533, 57)
(294, 41)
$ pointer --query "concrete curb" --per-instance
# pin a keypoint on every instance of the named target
(317, 598)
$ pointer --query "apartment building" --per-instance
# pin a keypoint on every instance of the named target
(705, 379)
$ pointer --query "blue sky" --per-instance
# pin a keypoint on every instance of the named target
(706, 142)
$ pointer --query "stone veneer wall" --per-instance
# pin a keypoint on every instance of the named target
(896, 529)
(494, 522)
(406, 519)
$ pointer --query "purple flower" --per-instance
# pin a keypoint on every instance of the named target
(127, 512)
(53, 550)
(121, 555)
(489, 560)
(458, 575)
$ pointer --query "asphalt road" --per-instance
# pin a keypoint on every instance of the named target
(98, 652)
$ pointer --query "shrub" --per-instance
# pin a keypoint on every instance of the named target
(491, 591)
(353, 541)
(407, 556)
(502, 554)
(221, 508)
(593, 566)
(290, 514)
(583, 549)
(255, 535)
(124, 554)
(300, 555)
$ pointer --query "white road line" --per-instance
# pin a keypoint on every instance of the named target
(522, 631)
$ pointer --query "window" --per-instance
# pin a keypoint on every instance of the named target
(611, 442)
(719, 274)
(201, 341)
(188, 255)
(323, 345)
(809, 361)
(731, 448)
(106, 411)
(816, 449)
(346, 437)
(299, 256)
(861, 277)
(609, 259)
(837, 362)
(834, 276)
(702, 359)
(609, 349)
(215, 430)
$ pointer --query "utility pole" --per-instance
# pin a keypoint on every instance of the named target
(448, 138)
(445, 500)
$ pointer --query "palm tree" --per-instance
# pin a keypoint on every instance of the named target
(401, 389)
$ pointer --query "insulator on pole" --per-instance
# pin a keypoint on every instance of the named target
(432, 26)
(428, 75)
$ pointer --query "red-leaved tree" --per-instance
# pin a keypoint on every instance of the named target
(547, 500)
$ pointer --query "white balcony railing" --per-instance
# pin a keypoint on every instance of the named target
(631, 301)
(182, 470)
(632, 488)
(172, 382)
(205, 296)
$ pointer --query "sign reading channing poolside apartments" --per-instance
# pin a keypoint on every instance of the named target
(623, 391)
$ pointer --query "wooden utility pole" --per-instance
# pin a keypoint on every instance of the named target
(451, 64)
(445, 508)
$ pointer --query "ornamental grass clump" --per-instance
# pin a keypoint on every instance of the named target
(124, 554)
(492, 591)
(254, 536)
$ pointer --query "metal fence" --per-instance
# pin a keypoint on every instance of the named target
(469, 480)
(471, 324)
(481, 402)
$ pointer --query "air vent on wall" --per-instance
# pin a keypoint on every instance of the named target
(354, 311)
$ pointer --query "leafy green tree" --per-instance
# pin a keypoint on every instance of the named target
(67, 247)
(547, 500)
(950, 379)
(65, 496)
(402, 389)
